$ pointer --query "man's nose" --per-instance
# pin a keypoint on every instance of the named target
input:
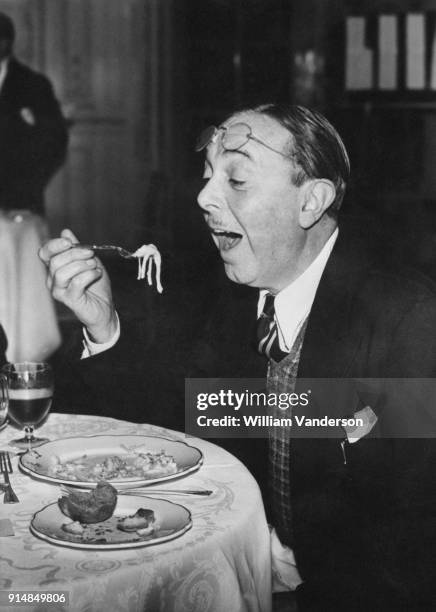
(210, 196)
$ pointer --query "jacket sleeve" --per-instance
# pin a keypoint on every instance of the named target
(3, 347)
(45, 143)
(140, 379)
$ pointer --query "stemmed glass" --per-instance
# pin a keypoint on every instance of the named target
(30, 387)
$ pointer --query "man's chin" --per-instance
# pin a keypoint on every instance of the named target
(240, 276)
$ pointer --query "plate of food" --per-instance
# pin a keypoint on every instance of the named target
(122, 460)
(102, 519)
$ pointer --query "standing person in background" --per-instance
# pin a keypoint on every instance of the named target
(33, 132)
(33, 144)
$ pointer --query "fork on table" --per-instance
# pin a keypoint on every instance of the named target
(6, 469)
(106, 248)
(66, 490)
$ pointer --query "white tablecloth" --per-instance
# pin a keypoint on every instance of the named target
(223, 564)
(27, 313)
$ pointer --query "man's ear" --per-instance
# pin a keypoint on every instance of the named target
(318, 195)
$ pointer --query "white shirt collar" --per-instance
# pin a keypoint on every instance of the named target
(4, 64)
(294, 302)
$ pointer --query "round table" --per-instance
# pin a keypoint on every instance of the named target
(222, 564)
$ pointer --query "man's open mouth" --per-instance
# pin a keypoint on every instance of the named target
(226, 240)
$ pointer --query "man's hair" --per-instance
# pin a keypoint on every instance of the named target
(317, 148)
(7, 29)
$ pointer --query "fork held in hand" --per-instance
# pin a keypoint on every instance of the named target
(6, 469)
(106, 248)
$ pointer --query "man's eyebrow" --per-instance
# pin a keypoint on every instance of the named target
(240, 151)
(228, 152)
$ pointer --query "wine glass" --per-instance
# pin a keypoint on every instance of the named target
(30, 387)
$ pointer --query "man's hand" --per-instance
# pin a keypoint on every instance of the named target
(77, 279)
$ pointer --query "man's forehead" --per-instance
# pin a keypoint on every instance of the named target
(263, 127)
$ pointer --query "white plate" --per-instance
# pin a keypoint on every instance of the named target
(172, 521)
(37, 462)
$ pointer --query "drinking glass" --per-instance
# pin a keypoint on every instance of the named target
(30, 387)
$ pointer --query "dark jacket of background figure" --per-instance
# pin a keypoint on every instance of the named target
(29, 154)
(3, 347)
(364, 531)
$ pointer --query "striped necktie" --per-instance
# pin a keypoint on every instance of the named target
(267, 332)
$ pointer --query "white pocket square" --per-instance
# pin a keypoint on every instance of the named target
(367, 418)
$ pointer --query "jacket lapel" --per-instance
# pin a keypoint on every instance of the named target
(9, 75)
(332, 339)
(8, 89)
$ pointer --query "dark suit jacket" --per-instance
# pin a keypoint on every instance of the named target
(29, 154)
(364, 532)
(3, 346)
